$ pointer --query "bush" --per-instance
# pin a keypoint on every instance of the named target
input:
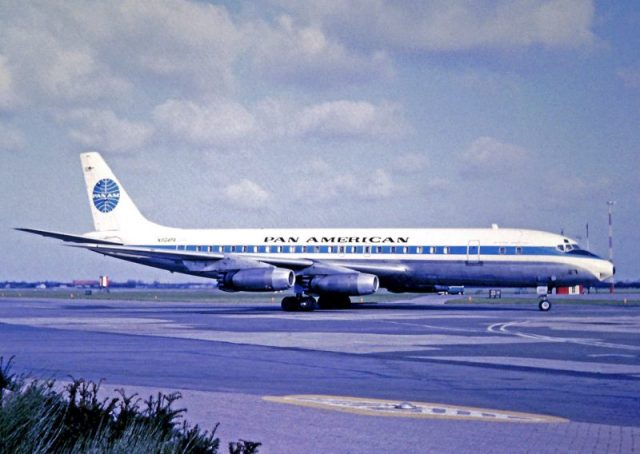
(35, 418)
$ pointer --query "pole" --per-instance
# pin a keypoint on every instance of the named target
(610, 204)
(588, 246)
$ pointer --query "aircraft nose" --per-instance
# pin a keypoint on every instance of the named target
(607, 270)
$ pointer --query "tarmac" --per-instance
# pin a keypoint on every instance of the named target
(416, 375)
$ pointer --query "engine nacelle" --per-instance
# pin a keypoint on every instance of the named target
(259, 280)
(345, 284)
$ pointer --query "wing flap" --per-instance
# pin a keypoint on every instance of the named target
(190, 256)
(150, 252)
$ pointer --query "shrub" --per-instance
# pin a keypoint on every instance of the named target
(35, 418)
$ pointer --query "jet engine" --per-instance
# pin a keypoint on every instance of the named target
(258, 280)
(345, 284)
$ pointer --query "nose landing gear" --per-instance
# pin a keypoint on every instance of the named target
(544, 304)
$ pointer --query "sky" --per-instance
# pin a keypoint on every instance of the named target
(282, 113)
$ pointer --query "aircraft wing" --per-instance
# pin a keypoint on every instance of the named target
(69, 237)
(190, 258)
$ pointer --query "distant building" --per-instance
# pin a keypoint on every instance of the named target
(85, 283)
(574, 290)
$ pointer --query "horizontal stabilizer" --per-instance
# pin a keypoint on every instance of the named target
(64, 236)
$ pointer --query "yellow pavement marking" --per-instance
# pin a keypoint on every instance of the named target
(391, 408)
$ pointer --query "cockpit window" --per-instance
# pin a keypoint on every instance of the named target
(583, 253)
(568, 246)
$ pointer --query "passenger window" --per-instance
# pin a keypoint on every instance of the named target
(342, 249)
(419, 250)
(367, 249)
(292, 249)
(445, 250)
(519, 250)
(502, 250)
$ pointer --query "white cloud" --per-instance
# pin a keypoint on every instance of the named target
(487, 157)
(102, 129)
(50, 63)
(454, 25)
(289, 53)
(320, 182)
(11, 139)
(192, 45)
(410, 163)
(246, 194)
(350, 120)
(226, 123)
(86, 51)
(216, 123)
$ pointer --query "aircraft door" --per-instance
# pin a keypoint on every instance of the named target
(473, 252)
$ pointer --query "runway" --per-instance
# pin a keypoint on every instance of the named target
(442, 378)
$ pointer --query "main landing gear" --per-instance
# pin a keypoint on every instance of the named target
(302, 303)
(334, 302)
(299, 303)
(544, 304)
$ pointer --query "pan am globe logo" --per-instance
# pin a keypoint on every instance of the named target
(106, 195)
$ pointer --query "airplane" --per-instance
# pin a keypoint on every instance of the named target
(330, 264)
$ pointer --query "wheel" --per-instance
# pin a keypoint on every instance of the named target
(333, 301)
(343, 302)
(306, 303)
(325, 302)
(544, 305)
(289, 304)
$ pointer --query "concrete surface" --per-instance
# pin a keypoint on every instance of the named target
(579, 364)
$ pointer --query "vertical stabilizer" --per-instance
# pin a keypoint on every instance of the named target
(111, 207)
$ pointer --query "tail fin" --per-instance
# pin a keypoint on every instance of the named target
(111, 207)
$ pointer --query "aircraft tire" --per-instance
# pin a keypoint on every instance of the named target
(306, 304)
(344, 302)
(544, 305)
(332, 301)
(290, 304)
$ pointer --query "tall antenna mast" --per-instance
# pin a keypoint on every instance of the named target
(610, 204)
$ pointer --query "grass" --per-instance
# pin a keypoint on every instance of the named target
(36, 418)
(631, 301)
(196, 295)
(478, 296)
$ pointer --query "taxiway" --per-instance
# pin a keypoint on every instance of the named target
(300, 382)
